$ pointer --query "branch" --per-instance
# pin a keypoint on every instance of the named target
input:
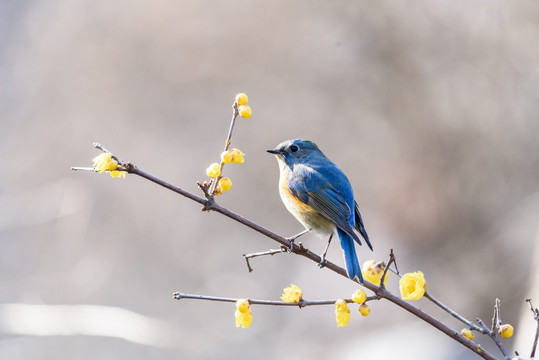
(209, 204)
(281, 250)
(535, 312)
(300, 304)
(492, 335)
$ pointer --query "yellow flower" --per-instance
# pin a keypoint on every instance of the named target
(413, 286)
(245, 111)
(244, 315)
(105, 162)
(359, 297)
(364, 310)
(467, 333)
(241, 99)
(218, 191)
(225, 184)
(214, 170)
(237, 156)
(506, 331)
(342, 313)
(373, 271)
(227, 156)
(116, 173)
(292, 294)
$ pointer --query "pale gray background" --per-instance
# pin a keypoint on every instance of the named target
(430, 109)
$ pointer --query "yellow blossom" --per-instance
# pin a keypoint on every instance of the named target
(241, 99)
(359, 296)
(245, 111)
(364, 310)
(342, 313)
(373, 271)
(105, 162)
(225, 184)
(227, 156)
(506, 331)
(413, 286)
(218, 191)
(237, 156)
(292, 294)
(214, 170)
(116, 173)
(244, 315)
(467, 333)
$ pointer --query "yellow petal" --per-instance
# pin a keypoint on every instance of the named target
(467, 333)
(245, 111)
(372, 271)
(225, 184)
(237, 156)
(412, 286)
(342, 313)
(364, 310)
(241, 99)
(506, 331)
(242, 305)
(214, 170)
(292, 294)
(359, 296)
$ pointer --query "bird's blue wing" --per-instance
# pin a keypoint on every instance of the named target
(328, 192)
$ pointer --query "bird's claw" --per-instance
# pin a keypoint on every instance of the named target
(291, 248)
(322, 263)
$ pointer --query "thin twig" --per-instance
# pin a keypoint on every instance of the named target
(492, 335)
(282, 249)
(453, 313)
(535, 312)
(392, 260)
(82, 168)
(235, 113)
(302, 303)
(496, 319)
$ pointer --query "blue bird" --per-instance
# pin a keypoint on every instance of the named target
(320, 196)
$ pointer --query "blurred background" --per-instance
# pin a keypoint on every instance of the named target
(429, 108)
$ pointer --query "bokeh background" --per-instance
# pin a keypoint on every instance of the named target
(429, 108)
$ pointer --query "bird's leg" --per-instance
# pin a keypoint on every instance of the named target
(292, 238)
(323, 260)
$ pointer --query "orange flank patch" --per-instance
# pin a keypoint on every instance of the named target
(305, 214)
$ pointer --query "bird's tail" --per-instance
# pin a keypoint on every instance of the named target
(350, 258)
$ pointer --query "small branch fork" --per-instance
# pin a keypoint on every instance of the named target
(208, 204)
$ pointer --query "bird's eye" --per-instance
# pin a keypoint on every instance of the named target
(294, 148)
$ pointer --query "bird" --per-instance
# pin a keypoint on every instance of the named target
(320, 197)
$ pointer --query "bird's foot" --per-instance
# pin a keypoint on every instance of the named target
(322, 263)
(291, 248)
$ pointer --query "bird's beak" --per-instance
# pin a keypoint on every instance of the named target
(274, 152)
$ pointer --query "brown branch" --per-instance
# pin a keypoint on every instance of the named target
(492, 335)
(535, 312)
(281, 250)
(301, 304)
(235, 114)
(211, 205)
(392, 260)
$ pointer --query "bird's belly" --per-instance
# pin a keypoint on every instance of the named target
(305, 214)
